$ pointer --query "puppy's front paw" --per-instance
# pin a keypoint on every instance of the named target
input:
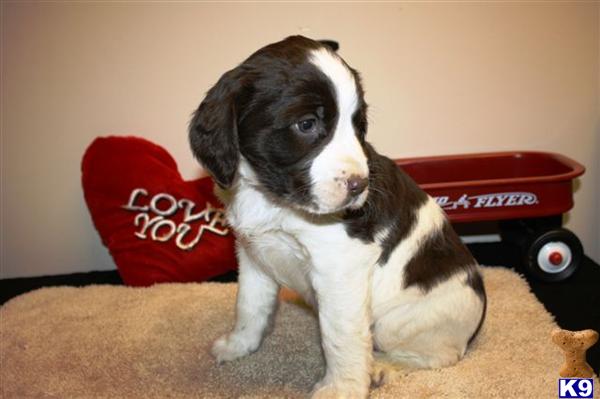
(230, 347)
(329, 390)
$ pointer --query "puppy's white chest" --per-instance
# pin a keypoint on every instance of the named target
(282, 257)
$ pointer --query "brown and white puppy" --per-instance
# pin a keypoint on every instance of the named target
(315, 208)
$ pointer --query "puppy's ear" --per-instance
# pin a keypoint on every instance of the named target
(213, 130)
(332, 44)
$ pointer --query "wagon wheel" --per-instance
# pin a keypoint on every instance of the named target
(554, 255)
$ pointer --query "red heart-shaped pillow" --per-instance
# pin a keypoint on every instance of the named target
(157, 227)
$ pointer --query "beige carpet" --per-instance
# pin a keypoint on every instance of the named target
(119, 342)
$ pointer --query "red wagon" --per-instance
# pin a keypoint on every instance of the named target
(527, 192)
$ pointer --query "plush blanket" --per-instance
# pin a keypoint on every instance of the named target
(121, 342)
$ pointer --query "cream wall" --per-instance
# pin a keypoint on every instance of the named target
(440, 78)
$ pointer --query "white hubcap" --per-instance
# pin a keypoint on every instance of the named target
(554, 257)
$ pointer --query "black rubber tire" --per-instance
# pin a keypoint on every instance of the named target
(562, 235)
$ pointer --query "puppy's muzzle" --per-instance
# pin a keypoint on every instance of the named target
(356, 185)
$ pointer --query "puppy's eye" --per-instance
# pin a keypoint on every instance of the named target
(308, 125)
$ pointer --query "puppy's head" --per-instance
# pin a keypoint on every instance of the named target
(291, 120)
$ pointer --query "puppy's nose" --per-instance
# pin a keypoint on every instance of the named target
(357, 184)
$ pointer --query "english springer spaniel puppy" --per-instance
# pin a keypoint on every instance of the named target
(315, 208)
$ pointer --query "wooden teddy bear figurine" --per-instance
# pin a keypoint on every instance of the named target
(574, 344)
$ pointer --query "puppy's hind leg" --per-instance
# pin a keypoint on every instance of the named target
(256, 302)
(385, 370)
(408, 340)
